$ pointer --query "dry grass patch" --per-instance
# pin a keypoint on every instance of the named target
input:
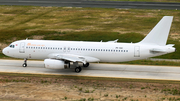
(33, 87)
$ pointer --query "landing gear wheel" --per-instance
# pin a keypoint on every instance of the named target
(78, 69)
(86, 65)
(24, 65)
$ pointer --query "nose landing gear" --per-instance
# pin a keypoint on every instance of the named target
(25, 63)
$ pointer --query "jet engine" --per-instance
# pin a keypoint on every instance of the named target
(55, 64)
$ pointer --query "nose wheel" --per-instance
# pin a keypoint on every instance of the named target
(25, 63)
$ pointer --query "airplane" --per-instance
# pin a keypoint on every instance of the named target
(59, 54)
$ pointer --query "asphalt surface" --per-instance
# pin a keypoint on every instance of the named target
(96, 70)
(93, 3)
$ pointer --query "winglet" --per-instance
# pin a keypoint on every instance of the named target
(159, 33)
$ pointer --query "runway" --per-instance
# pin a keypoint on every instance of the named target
(94, 3)
(96, 70)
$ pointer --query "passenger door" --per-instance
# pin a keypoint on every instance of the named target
(22, 47)
(136, 51)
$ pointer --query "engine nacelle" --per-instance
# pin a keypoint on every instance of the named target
(55, 64)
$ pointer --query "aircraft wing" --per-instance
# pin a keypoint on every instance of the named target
(73, 58)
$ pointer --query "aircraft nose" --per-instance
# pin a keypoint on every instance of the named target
(4, 51)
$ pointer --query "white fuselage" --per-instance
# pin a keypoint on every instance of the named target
(104, 51)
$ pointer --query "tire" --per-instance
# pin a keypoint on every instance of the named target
(86, 65)
(78, 69)
(24, 65)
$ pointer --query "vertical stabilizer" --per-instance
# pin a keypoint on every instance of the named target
(159, 33)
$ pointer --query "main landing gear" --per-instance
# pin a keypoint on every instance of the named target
(86, 65)
(25, 63)
(78, 68)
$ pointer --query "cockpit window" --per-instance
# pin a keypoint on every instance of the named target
(11, 46)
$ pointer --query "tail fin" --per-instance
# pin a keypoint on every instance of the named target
(159, 33)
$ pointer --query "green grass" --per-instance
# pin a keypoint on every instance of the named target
(29, 18)
(96, 36)
(142, 0)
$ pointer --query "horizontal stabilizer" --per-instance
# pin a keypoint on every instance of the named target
(155, 50)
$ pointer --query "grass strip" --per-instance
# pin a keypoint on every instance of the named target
(89, 78)
(142, 0)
